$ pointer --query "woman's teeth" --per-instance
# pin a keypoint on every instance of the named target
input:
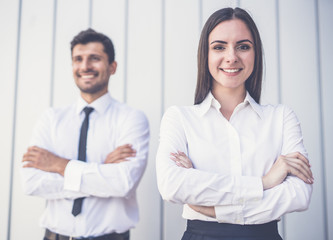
(231, 70)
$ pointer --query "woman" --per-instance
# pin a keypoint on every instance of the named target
(238, 166)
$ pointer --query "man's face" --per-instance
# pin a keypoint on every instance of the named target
(91, 68)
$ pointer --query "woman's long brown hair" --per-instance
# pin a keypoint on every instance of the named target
(204, 78)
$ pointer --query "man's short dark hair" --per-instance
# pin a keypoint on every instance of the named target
(91, 35)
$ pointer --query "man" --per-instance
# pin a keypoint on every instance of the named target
(87, 159)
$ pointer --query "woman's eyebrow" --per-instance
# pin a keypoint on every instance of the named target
(219, 41)
(224, 42)
(245, 40)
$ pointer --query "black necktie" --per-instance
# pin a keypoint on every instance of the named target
(82, 154)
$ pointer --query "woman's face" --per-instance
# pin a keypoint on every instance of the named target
(231, 55)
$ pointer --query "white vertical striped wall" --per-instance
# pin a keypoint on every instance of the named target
(156, 43)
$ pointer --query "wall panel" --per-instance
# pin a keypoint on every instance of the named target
(9, 11)
(181, 43)
(265, 16)
(109, 17)
(144, 92)
(299, 81)
(72, 17)
(33, 98)
(326, 72)
(210, 6)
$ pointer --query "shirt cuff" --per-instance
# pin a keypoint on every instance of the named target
(73, 174)
(229, 214)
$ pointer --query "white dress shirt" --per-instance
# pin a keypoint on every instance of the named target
(110, 204)
(229, 159)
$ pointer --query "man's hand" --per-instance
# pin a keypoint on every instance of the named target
(42, 159)
(120, 154)
(291, 164)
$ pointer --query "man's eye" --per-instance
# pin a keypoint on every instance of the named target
(77, 60)
(95, 58)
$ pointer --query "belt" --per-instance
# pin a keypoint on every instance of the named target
(234, 231)
(112, 236)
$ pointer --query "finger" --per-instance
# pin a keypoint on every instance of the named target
(35, 149)
(127, 154)
(120, 161)
(182, 159)
(177, 161)
(182, 162)
(121, 149)
(300, 175)
(122, 156)
(299, 156)
(128, 150)
(29, 156)
(126, 146)
(185, 161)
(181, 154)
(301, 165)
(301, 172)
(28, 164)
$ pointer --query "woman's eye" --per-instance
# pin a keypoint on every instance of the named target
(218, 47)
(243, 47)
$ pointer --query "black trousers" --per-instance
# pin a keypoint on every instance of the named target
(202, 230)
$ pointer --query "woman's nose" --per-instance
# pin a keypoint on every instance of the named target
(231, 55)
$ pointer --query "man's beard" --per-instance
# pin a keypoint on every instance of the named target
(94, 89)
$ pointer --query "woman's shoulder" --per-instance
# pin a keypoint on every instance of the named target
(280, 109)
(180, 110)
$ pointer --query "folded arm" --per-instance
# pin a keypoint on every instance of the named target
(286, 187)
(118, 176)
(194, 186)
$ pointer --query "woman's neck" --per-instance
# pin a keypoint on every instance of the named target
(229, 99)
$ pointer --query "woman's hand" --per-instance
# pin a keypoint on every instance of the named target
(208, 211)
(291, 164)
(181, 160)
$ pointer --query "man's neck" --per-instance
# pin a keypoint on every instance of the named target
(89, 98)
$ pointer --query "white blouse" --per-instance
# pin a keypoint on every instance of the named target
(229, 159)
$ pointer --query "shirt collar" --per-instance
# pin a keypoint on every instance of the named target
(210, 101)
(99, 105)
(255, 106)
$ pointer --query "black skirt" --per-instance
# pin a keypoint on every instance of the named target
(202, 230)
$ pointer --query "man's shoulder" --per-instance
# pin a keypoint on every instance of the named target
(59, 112)
(124, 108)
(125, 112)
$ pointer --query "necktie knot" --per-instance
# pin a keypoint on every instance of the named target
(88, 110)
